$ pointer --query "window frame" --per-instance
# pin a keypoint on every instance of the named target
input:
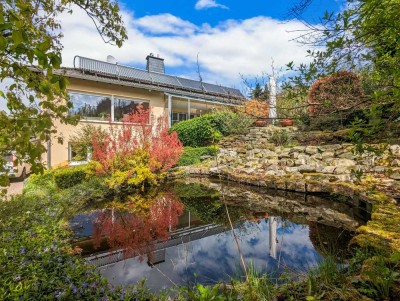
(113, 97)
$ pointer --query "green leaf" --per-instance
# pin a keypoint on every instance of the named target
(17, 37)
(3, 43)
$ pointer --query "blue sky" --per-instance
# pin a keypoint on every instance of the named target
(233, 39)
(235, 9)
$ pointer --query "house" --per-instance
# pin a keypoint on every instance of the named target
(102, 92)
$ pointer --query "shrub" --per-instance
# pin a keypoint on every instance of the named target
(229, 122)
(138, 152)
(192, 155)
(199, 131)
(281, 137)
(70, 176)
(338, 93)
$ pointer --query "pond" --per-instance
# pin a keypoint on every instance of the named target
(184, 233)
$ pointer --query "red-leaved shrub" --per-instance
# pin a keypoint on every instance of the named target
(336, 93)
(139, 146)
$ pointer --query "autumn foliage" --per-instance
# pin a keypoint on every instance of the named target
(150, 227)
(256, 108)
(136, 152)
(337, 93)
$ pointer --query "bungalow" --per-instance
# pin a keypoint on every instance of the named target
(102, 92)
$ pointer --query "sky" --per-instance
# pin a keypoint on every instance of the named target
(232, 39)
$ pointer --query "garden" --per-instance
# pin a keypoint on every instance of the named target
(127, 181)
(230, 205)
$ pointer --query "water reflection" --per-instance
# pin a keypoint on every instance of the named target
(183, 232)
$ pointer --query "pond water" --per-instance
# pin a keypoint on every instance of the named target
(181, 234)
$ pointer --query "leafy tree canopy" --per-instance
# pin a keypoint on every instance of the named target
(363, 38)
(30, 51)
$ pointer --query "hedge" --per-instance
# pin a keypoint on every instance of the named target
(69, 176)
(199, 131)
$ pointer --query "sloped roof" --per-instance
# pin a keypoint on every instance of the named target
(91, 69)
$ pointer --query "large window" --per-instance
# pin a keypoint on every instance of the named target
(91, 107)
(125, 106)
(103, 108)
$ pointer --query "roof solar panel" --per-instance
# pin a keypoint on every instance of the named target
(214, 88)
(235, 92)
(97, 66)
(164, 79)
(130, 73)
(190, 84)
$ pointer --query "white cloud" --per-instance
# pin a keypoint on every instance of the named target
(205, 4)
(165, 24)
(226, 50)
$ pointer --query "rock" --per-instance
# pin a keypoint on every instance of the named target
(347, 155)
(270, 154)
(396, 163)
(395, 176)
(317, 156)
(343, 162)
(342, 170)
(298, 149)
(300, 162)
(205, 157)
(343, 178)
(379, 169)
(284, 155)
(289, 162)
(270, 162)
(280, 173)
(291, 169)
(233, 153)
(319, 167)
(327, 154)
(306, 168)
(395, 149)
(329, 169)
(311, 150)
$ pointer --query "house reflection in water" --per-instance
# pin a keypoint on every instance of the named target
(273, 240)
(182, 245)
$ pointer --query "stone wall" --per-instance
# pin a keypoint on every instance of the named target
(255, 153)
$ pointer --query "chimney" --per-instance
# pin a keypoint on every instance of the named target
(155, 64)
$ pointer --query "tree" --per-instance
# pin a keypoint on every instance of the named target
(256, 92)
(260, 93)
(362, 38)
(30, 51)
